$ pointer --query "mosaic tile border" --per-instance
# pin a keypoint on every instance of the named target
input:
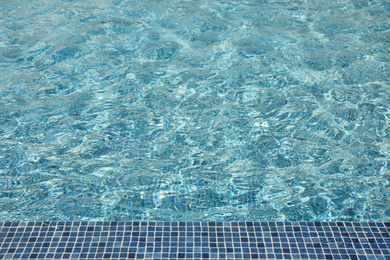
(194, 240)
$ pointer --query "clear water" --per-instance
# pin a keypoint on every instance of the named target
(194, 110)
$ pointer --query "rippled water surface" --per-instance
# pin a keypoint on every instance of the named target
(194, 110)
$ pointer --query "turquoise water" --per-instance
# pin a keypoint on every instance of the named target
(194, 110)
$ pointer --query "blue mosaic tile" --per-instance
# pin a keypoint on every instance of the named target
(194, 240)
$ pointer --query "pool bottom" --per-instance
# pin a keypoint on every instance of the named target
(194, 240)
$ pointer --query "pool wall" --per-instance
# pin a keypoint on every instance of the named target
(194, 240)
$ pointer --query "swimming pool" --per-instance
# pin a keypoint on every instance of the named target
(194, 110)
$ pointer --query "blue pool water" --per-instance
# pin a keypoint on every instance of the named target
(208, 110)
